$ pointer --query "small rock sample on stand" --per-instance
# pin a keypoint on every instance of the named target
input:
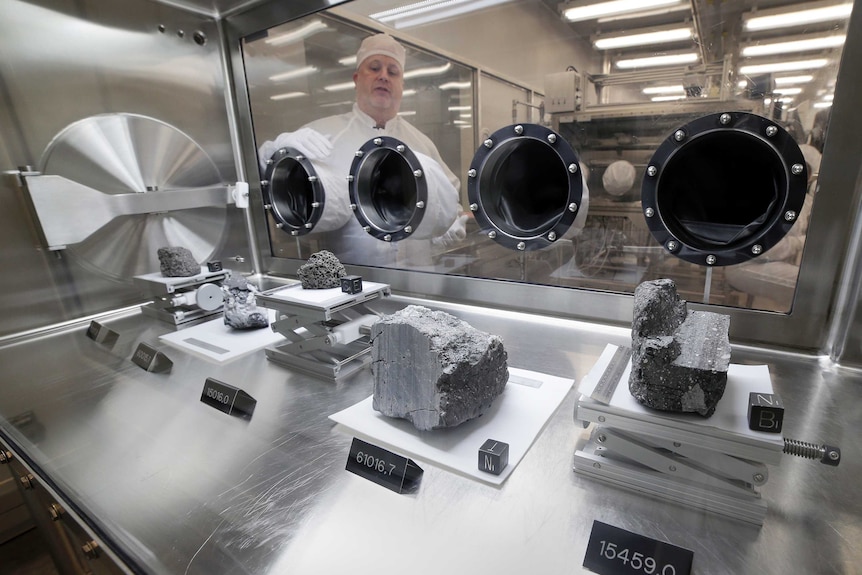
(322, 271)
(240, 309)
(679, 357)
(178, 262)
(434, 369)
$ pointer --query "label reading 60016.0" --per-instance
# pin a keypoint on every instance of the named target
(615, 551)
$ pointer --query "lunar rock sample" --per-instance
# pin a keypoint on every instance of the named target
(240, 309)
(434, 369)
(679, 357)
(322, 271)
(177, 262)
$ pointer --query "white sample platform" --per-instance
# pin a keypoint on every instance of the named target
(215, 341)
(517, 417)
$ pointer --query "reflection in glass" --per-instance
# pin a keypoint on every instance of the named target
(613, 85)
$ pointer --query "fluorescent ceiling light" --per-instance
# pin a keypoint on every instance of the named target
(339, 87)
(428, 11)
(431, 71)
(460, 108)
(787, 91)
(785, 80)
(348, 61)
(828, 97)
(455, 85)
(666, 60)
(784, 66)
(668, 98)
(407, 113)
(288, 96)
(410, 92)
(597, 10)
(460, 122)
(785, 99)
(772, 19)
(465, 116)
(823, 104)
(643, 39)
(742, 83)
(805, 45)
(663, 89)
(646, 13)
(301, 33)
(304, 71)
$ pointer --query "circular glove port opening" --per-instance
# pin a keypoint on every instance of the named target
(724, 188)
(525, 187)
(388, 188)
(294, 192)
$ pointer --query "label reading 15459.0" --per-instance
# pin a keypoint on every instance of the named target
(615, 551)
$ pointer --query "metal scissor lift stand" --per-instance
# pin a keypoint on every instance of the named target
(715, 464)
(326, 329)
(183, 301)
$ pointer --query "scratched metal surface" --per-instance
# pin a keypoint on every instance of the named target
(185, 489)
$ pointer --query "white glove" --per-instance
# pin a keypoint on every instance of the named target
(308, 142)
(456, 233)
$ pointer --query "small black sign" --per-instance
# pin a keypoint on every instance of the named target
(149, 358)
(228, 398)
(615, 551)
(101, 334)
(383, 467)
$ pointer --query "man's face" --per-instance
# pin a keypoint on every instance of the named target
(379, 84)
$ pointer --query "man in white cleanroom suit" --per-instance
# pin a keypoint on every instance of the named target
(331, 143)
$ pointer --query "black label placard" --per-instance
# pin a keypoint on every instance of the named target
(615, 551)
(149, 358)
(383, 467)
(228, 398)
(101, 334)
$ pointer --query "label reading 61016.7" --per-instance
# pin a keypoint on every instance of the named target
(383, 467)
(615, 551)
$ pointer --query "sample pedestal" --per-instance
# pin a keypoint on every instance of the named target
(183, 300)
(715, 463)
(326, 329)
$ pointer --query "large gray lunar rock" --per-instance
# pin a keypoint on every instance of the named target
(679, 357)
(322, 271)
(434, 369)
(176, 262)
(240, 307)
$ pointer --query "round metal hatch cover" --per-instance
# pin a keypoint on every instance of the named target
(388, 189)
(525, 186)
(724, 188)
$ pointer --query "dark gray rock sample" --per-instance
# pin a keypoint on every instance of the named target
(434, 369)
(177, 262)
(240, 308)
(679, 357)
(322, 271)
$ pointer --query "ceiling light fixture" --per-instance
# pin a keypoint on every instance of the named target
(596, 10)
(460, 108)
(301, 33)
(455, 85)
(785, 80)
(790, 66)
(430, 71)
(299, 72)
(428, 11)
(650, 61)
(823, 104)
(771, 19)
(643, 39)
(663, 89)
(670, 98)
(803, 45)
(288, 96)
(348, 61)
(646, 13)
(787, 91)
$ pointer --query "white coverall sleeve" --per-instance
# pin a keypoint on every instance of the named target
(441, 209)
(306, 141)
